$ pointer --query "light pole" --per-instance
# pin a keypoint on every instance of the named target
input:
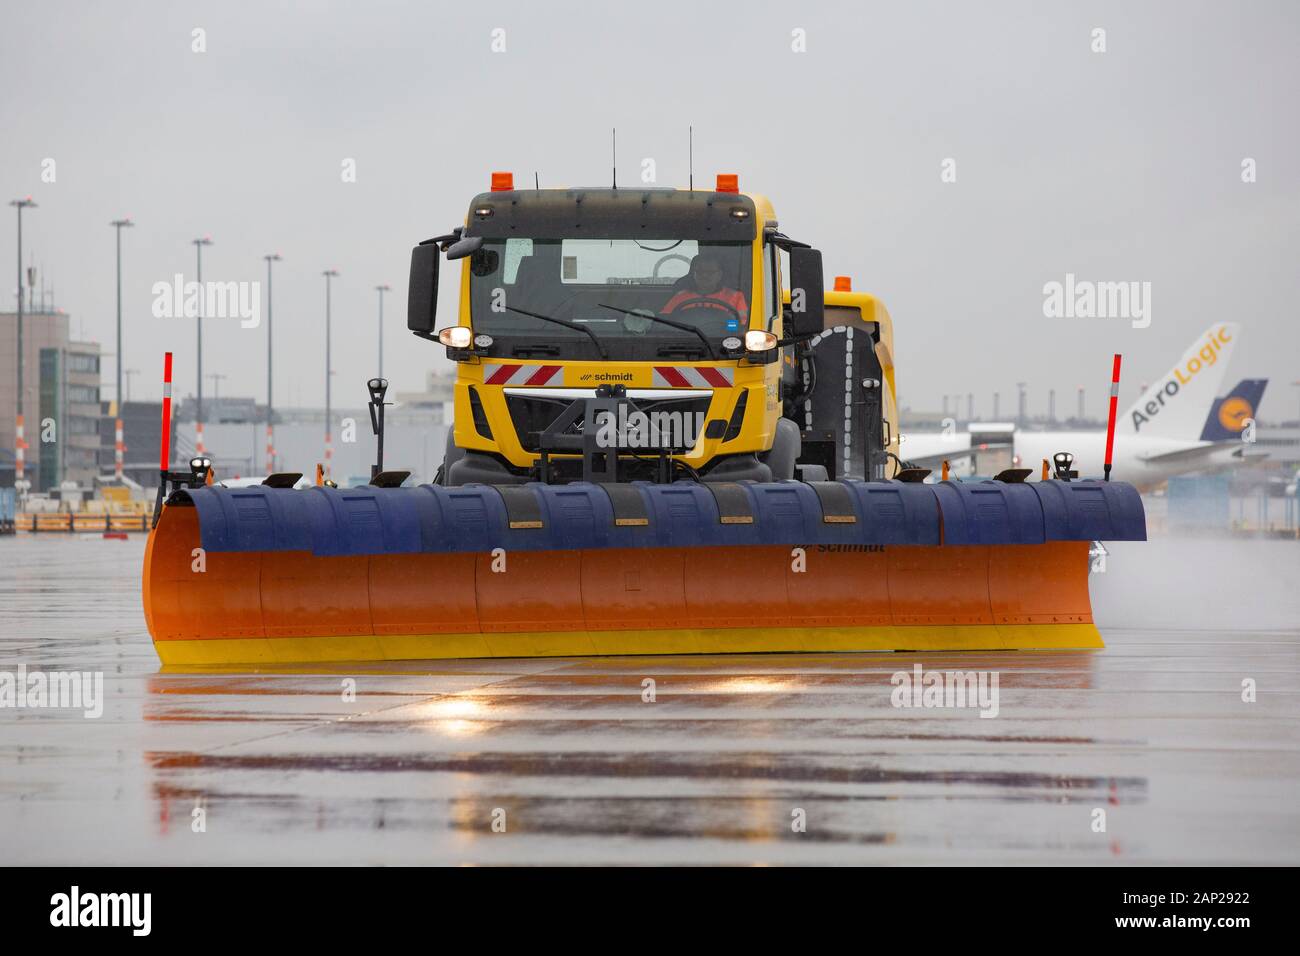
(270, 418)
(128, 372)
(216, 391)
(20, 446)
(118, 225)
(329, 446)
(198, 407)
(381, 289)
(1020, 403)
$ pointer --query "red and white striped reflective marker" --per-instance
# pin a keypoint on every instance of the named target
(165, 443)
(20, 447)
(517, 374)
(198, 439)
(270, 451)
(663, 376)
(1114, 406)
(118, 448)
(689, 376)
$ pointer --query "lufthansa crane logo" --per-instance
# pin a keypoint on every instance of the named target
(1234, 412)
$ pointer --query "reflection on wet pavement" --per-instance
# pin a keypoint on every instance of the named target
(762, 758)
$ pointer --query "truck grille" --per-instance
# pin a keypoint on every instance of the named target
(531, 415)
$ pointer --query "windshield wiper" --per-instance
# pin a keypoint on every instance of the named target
(568, 325)
(669, 322)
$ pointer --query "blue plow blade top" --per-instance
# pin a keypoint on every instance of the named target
(431, 518)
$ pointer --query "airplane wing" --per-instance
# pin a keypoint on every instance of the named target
(931, 449)
(1203, 452)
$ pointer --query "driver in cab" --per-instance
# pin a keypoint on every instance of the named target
(706, 291)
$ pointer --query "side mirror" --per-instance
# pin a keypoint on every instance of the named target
(422, 292)
(807, 302)
(463, 247)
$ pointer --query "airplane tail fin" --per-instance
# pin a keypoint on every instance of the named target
(1227, 418)
(1177, 403)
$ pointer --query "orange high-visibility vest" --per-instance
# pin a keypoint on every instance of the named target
(729, 297)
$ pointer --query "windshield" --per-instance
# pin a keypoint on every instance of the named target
(612, 287)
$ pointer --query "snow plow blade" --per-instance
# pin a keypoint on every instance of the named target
(266, 575)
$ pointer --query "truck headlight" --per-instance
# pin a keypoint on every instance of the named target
(456, 337)
(756, 340)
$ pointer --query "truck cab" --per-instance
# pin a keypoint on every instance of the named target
(646, 327)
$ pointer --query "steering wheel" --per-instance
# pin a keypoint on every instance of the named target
(677, 256)
(705, 302)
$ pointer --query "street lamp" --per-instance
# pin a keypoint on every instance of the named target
(118, 225)
(381, 289)
(20, 446)
(329, 446)
(198, 410)
(128, 372)
(270, 427)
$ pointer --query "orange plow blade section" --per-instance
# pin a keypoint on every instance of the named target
(250, 608)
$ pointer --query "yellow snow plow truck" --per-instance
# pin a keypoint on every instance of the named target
(668, 438)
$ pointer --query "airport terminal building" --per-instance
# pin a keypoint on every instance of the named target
(62, 410)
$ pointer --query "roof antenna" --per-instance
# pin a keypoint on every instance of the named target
(690, 153)
(614, 153)
(537, 183)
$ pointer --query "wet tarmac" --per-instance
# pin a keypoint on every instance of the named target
(746, 759)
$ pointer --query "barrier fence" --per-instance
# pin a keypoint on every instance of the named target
(66, 522)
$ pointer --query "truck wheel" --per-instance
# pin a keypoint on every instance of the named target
(450, 455)
(785, 450)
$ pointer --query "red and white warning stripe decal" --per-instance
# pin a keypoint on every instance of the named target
(519, 374)
(687, 376)
(664, 376)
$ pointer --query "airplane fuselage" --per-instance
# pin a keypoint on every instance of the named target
(1135, 458)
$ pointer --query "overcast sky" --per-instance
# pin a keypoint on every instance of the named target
(1117, 166)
